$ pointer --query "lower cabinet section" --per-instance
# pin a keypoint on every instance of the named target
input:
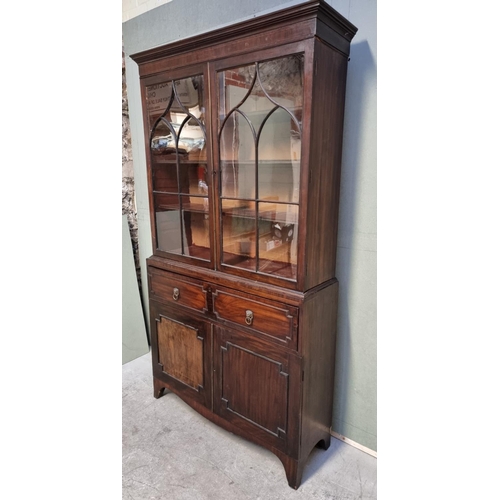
(256, 387)
(245, 377)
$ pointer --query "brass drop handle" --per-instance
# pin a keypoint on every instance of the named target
(176, 294)
(248, 317)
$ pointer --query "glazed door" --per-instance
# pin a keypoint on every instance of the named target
(257, 387)
(260, 101)
(179, 157)
(181, 347)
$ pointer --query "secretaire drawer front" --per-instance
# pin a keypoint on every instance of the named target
(273, 319)
(178, 290)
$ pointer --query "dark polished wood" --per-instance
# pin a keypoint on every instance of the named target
(249, 341)
(177, 289)
(330, 69)
(273, 320)
(256, 387)
(181, 348)
(319, 319)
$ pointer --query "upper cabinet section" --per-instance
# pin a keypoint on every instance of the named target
(243, 132)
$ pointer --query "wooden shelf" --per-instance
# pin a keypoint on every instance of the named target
(270, 215)
(159, 160)
(189, 207)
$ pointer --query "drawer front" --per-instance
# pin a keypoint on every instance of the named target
(275, 320)
(178, 290)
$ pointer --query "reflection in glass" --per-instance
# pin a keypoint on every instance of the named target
(238, 181)
(237, 154)
(182, 225)
(176, 114)
(279, 158)
(168, 223)
(237, 141)
(282, 80)
(161, 143)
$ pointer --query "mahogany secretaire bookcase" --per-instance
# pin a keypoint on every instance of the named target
(243, 129)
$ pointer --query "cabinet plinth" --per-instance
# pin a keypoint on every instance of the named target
(243, 132)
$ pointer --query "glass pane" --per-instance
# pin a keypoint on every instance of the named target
(279, 159)
(165, 178)
(238, 180)
(196, 227)
(238, 234)
(278, 231)
(162, 143)
(193, 179)
(279, 181)
(185, 231)
(236, 84)
(191, 145)
(256, 105)
(158, 97)
(177, 116)
(237, 154)
(237, 142)
(237, 139)
(278, 139)
(168, 223)
(283, 82)
(188, 118)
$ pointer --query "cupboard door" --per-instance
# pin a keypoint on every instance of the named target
(181, 353)
(256, 387)
(259, 127)
(179, 153)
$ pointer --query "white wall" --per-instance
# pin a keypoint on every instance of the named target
(355, 399)
(133, 8)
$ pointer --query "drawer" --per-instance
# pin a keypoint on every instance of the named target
(178, 290)
(275, 320)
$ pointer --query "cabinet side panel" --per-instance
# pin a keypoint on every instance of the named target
(318, 328)
(330, 70)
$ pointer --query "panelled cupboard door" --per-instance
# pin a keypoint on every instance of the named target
(181, 352)
(257, 387)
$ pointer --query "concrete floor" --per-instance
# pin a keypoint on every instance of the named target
(171, 452)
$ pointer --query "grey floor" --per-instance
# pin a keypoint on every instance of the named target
(172, 452)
